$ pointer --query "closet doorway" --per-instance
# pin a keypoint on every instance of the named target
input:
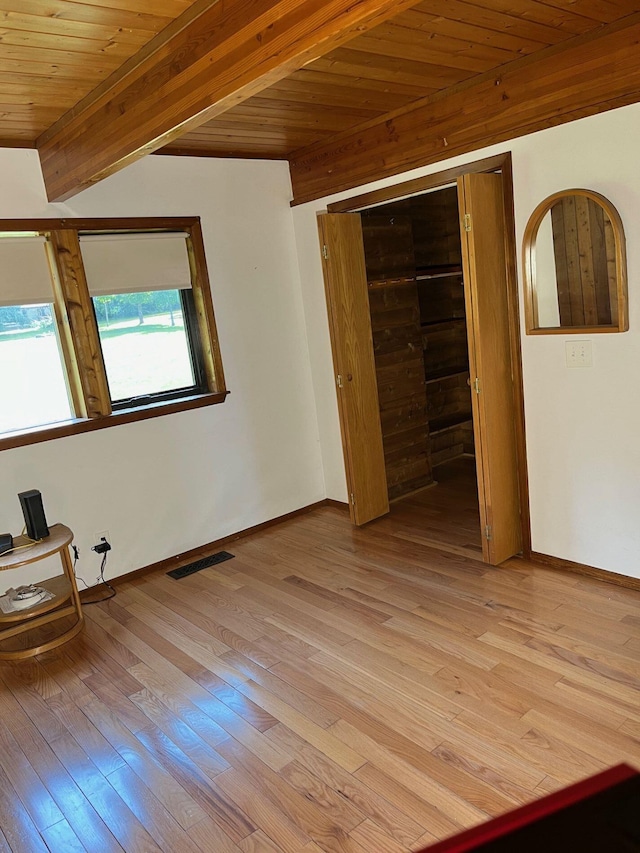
(424, 328)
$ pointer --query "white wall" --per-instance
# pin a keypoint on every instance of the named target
(169, 484)
(166, 485)
(582, 425)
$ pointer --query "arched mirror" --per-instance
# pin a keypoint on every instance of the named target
(575, 266)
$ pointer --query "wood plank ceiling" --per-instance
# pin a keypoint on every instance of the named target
(62, 59)
(434, 46)
(54, 52)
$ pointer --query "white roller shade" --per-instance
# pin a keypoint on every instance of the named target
(135, 263)
(25, 278)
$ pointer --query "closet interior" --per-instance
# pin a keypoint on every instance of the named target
(416, 296)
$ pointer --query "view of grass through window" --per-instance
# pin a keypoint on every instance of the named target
(144, 343)
(33, 383)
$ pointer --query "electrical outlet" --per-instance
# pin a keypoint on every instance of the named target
(105, 534)
(578, 354)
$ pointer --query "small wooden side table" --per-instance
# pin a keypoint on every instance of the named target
(65, 603)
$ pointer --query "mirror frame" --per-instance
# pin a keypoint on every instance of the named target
(529, 267)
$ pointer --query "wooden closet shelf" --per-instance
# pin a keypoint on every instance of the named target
(438, 425)
(422, 274)
(446, 372)
(447, 321)
(428, 273)
(400, 281)
(413, 263)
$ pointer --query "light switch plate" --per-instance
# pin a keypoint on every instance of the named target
(578, 354)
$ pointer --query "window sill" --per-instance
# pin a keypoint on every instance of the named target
(125, 416)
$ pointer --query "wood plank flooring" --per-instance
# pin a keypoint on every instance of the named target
(445, 515)
(329, 689)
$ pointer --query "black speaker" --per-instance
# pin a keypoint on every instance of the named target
(33, 512)
(6, 542)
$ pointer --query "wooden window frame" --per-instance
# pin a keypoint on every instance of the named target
(78, 331)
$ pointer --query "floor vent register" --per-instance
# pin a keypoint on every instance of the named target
(198, 565)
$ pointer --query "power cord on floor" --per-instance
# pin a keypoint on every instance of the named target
(99, 580)
(76, 557)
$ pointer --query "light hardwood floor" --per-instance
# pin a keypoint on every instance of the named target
(445, 515)
(329, 689)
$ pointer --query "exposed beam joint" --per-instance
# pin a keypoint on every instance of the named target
(233, 50)
(588, 75)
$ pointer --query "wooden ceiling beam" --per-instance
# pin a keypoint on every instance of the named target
(586, 75)
(234, 49)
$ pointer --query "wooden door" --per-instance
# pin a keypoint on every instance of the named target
(494, 411)
(352, 345)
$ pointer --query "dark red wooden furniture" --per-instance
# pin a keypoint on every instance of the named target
(597, 815)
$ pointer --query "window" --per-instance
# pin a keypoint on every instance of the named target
(146, 346)
(103, 322)
(140, 285)
(33, 381)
